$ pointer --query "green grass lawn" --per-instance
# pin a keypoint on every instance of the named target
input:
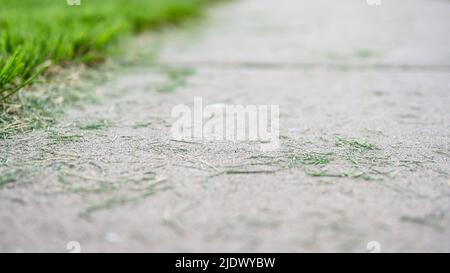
(35, 34)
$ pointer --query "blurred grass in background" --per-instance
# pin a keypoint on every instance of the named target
(37, 33)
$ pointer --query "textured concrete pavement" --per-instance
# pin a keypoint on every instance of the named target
(364, 96)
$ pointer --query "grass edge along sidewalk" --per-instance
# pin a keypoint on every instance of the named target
(37, 34)
(60, 39)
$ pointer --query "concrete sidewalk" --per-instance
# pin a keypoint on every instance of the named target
(364, 126)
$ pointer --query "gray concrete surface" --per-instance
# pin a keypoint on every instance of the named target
(337, 69)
